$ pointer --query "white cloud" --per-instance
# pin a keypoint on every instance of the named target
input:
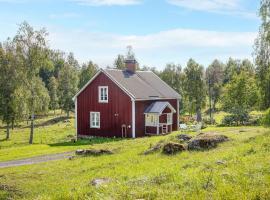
(227, 7)
(155, 49)
(107, 2)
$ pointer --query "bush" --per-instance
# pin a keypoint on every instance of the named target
(266, 118)
(236, 119)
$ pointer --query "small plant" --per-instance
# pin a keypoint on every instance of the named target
(266, 118)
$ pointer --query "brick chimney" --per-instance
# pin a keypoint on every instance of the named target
(130, 61)
(131, 65)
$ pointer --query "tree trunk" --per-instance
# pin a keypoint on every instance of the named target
(68, 114)
(8, 135)
(210, 103)
(199, 115)
(12, 124)
(54, 111)
(32, 130)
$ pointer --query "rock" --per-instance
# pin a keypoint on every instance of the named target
(95, 152)
(79, 151)
(99, 181)
(153, 149)
(71, 157)
(172, 148)
(206, 141)
(183, 137)
(221, 162)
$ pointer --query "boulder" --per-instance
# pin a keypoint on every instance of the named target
(99, 181)
(153, 149)
(206, 141)
(184, 137)
(94, 152)
(172, 148)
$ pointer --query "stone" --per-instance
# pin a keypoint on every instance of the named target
(206, 141)
(172, 148)
(184, 137)
(94, 152)
(99, 181)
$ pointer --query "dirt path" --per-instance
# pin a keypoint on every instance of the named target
(37, 159)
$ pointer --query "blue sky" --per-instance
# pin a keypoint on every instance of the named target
(160, 31)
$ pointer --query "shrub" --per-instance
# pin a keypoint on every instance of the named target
(236, 119)
(266, 118)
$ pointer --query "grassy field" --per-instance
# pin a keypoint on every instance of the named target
(243, 174)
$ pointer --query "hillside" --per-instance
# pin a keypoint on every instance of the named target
(237, 169)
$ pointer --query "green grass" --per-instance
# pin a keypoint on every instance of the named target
(187, 175)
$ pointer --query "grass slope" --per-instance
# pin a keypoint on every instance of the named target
(245, 173)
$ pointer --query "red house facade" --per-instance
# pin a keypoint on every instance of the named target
(126, 103)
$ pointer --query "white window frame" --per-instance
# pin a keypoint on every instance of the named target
(96, 122)
(151, 119)
(169, 118)
(101, 95)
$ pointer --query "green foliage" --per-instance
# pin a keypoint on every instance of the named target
(53, 89)
(194, 87)
(119, 62)
(68, 86)
(87, 72)
(241, 94)
(173, 76)
(266, 118)
(262, 52)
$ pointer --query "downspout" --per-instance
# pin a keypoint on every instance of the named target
(133, 118)
(76, 128)
(177, 113)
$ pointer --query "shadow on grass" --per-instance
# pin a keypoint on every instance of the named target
(91, 141)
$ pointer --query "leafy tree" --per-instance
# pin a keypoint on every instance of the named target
(8, 84)
(119, 62)
(172, 75)
(68, 86)
(33, 54)
(262, 53)
(53, 90)
(214, 79)
(194, 87)
(240, 95)
(87, 72)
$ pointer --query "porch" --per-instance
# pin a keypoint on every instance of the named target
(159, 118)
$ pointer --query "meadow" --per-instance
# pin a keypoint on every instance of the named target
(237, 169)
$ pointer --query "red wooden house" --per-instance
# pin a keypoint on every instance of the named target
(126, 103)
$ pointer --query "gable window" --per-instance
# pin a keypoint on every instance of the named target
(103, 94)
(94, 119)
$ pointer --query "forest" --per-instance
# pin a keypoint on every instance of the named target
(35, 79)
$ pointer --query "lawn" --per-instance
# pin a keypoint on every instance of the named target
(243, 174)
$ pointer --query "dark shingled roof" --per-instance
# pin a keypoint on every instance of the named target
(158, 107)
(143, 84)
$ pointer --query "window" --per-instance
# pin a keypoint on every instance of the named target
(103, 94)
(151, 120)
(94, 120)
(169, 118)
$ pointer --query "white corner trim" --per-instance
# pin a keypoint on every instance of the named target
(133, 119)
(76, 118)
(177, 114)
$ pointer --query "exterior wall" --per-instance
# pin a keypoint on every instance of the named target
(113, 114)
(140, 120)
